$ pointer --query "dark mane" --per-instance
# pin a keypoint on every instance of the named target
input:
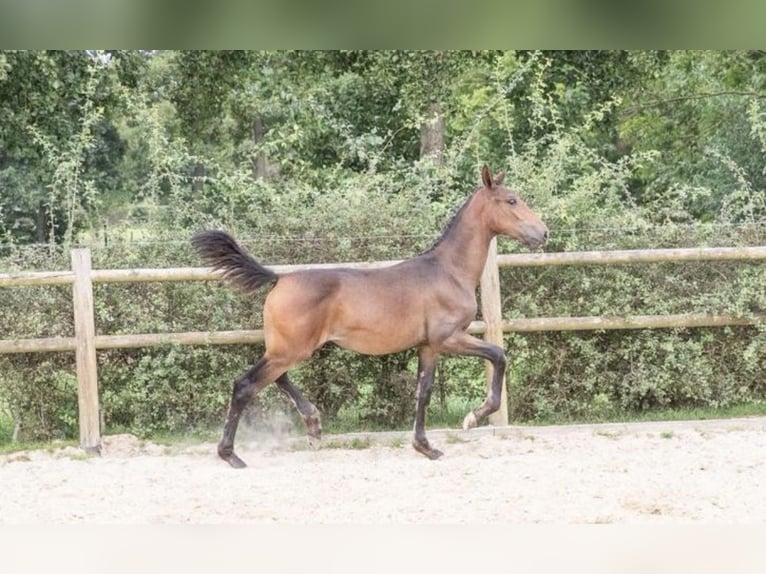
(450, 225)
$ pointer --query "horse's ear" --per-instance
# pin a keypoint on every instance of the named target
(486, 177)
(499, 178)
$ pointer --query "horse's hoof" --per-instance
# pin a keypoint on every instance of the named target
(433, 453)
(233, 460)
(426, 450)
(314, 428)
(314, 441)
(470, 421)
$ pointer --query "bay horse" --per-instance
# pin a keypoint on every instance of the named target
(426, 302)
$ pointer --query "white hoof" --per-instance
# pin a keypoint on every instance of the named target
(314, 442)
(469, 421)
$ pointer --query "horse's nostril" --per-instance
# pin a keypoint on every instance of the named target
(545, 235)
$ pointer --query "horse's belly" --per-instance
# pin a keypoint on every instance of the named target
(378, 338)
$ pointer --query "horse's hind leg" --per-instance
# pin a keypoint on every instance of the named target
(245, 387)
(307, 409)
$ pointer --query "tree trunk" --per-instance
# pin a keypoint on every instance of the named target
(16, 428)
(198, 178)
(41, 224)
(432, 134)
(260, 164)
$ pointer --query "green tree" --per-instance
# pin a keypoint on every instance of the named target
(57, 143)
(703, 112)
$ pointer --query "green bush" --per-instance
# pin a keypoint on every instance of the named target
(599, 375)
(39, 395)
(173, 389)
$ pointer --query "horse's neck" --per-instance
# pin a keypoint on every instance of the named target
(463, 249)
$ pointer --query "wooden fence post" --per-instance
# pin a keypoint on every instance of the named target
(85, 352)
(491, 310)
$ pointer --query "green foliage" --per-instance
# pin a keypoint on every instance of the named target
(57, 143)
(177, 389)
(39, 394)
(701, 110)
(597, 376)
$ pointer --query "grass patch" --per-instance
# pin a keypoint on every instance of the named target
(11, 447)
(613, 435)
(79, 456)
(683, 414)
(454, 439)
(452, 414)
(357, 443)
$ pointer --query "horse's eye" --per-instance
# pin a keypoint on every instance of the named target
(512, 201)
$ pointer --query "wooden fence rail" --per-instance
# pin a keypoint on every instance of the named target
(85, 342)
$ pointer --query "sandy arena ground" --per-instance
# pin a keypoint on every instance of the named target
(665, 472)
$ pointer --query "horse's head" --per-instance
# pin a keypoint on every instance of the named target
(508, 214)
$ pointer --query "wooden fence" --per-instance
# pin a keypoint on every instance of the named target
(85, 342)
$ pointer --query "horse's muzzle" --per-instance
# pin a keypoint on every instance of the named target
(534, 238)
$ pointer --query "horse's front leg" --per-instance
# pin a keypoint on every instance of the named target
(427, 360)
(464, 344)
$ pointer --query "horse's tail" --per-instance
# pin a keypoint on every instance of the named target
(223, 253)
